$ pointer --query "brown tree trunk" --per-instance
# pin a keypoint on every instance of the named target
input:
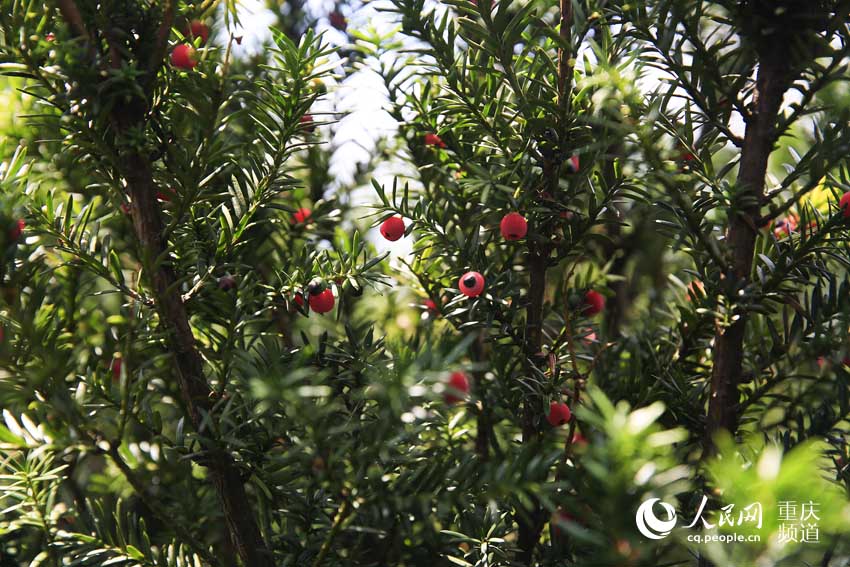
(771, 83)
(531, 523)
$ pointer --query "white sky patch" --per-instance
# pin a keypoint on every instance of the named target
(255, 28)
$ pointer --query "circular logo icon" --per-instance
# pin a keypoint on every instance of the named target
(650, 525)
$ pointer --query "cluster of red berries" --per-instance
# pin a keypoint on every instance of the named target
(513, 226)
(184, 56)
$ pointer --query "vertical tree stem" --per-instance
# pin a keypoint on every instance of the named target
(484, 426)
(771, 82)
(531, 525)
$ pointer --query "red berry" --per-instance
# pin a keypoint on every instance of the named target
(572, 164)
(125, 208)
(513, 226)
(17, 229)
(302, 215)
(50, 36)
(393, 228)
(434, 140)
(338, 21)
(579, 439)
(471, 284)
(322, 302)
(594, 303)
(559, 414)
(198, 29)
(163, 196)
(299, 299)
(183, 57)
(115, 366)
(2, 334)
(844, 205)
(457, 387)
(308, 123)
(431, 306)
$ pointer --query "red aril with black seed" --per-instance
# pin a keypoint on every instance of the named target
(393, 228)
(337, 20)
(115, 366)
(308, 123)
(471, 284)
(785, 226)
(513, 226)
(559, 414)
(322, 302)
(431, 306)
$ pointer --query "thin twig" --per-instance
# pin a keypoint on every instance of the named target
(342, 514)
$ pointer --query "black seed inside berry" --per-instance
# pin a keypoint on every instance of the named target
(316, 287)
(469, 282)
